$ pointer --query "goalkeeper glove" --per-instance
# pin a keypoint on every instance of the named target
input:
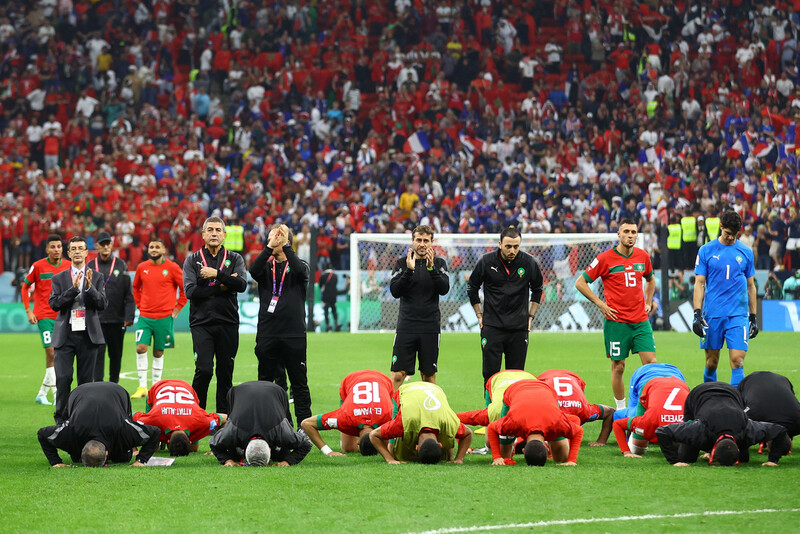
(753, 326)
(699, 326)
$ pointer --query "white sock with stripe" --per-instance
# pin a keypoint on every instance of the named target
(158, 367)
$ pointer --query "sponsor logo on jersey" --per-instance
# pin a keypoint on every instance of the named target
(146, 271)
(716, 257)
(494, 268)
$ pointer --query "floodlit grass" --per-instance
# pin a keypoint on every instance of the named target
(358, 494)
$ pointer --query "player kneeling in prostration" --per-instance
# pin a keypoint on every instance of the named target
(533, 414)
(424, 428)
(661, 403)
(571, 398)
(366, 403)
(770, 397)
(717, 423)
(174, 408)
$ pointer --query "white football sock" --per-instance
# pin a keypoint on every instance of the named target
(620, 403)
(158, 367)
(141, 367)
(46, 384)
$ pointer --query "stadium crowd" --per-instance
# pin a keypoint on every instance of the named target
(142, 118)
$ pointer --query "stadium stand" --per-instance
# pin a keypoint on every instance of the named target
(142, 118)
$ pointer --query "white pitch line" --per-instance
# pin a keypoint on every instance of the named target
(589, 520)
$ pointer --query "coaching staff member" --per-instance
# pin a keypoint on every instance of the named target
(78, 296)
(119, 312)
(770, 397)
(99, 429)
(717, 423)
(417, 280)
(259, 412)
(212, 277)
(512, 289)
(281, 337)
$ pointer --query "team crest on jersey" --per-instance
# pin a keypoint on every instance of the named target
(483, 342)
(739, 259)
(521, 272)
(164, 272)
(227, 263)
(394, 358)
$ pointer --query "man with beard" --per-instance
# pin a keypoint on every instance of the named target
(156, 285)
(512, 289)
(417, 280)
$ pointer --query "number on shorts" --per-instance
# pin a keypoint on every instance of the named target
(174, 395)
(614, 349)
(47, 336)
(139, 335)
(668, 403)
(366, 393)
(630, 279)
(563, 386)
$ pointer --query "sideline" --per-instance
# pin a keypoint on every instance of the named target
(590, 520)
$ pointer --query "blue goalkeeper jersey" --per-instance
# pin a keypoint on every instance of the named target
(639, 379)
(726, 268)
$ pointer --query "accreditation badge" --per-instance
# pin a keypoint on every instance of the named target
(78, 319)
(272, 305)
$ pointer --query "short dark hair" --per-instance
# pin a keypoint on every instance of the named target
(76, 239)
(179, 443)
(365, 446)
(156, 239)
(422, 229)
(627, 220)
(51, 238)
(430, 451)
(731, 221)
(726, 452)
(512, 232)
(94, 452)
(535, 452)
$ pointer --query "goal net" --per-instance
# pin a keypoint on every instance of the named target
(561, 257)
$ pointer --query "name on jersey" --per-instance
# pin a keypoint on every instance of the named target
(360, 412)
(170, 410)
(672, 418)
(570, 404)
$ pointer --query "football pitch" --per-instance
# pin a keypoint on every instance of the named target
(604, 493)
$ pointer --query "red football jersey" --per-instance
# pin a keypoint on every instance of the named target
(366, 402)
(663, 399)
(174, 406)
(569, 388)
(533, 407)
(158, 289)
(40, 276)
(622, 281)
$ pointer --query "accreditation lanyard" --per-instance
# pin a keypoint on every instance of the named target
(221, 265)
(276, 289)
(508, 273)
(110, 271)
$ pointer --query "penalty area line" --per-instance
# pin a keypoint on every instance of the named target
(590, 520)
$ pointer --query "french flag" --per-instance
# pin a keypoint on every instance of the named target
(652, 155)
(328, 154)
(786, 152)
(417, 143)
(472, 144)
(336, 173)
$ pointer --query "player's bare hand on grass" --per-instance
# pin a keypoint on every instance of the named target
(681, 464)
(282, 464)
(62, 465)
(705, 456)
(229, 463)
(630, 455)
(394, 462)
(769, 464)
(137, 463)
(499, 461)
(208, 453)
(570, 464)
(336, 453)
(596, 444)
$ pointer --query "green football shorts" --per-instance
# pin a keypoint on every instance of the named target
(160, 330)
(623, 338)
(46, 331)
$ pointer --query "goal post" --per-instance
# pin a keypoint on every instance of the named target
(561, 257)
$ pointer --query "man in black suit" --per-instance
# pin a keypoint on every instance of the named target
(77, 296)
(99, 429)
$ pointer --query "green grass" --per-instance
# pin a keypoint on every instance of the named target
(365, 494)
